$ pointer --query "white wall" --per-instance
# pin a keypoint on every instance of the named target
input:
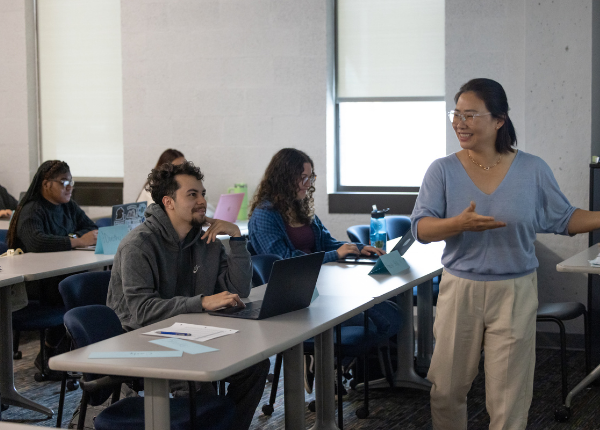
(541, 52)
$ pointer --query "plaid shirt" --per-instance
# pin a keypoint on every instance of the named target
(268, 235)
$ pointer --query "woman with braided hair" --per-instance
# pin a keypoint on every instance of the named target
(47, 220)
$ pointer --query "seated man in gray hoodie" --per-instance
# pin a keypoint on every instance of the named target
(168, 266)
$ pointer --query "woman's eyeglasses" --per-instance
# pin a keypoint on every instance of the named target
(306, 179)
(467, 118)
(65, 182)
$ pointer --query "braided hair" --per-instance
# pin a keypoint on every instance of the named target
(50, 169)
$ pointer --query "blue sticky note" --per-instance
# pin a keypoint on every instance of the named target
(109, 238)
(391, 263)
(136, 354)
(315, 295)
(183, 345)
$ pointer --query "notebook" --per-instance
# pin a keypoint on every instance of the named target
(229, 206)
(290, 288)
(401, 246)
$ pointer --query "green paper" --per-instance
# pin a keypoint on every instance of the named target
(391, 263)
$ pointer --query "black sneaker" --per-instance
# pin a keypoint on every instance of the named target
(309, 373)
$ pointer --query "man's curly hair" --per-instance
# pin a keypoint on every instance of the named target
(279, 186)
(162, 182)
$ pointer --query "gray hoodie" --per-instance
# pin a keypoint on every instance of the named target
(155, 276)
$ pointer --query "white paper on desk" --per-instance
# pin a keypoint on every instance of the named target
(199, 333)
(595, 261)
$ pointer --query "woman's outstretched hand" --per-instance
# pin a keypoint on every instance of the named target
(469, 220)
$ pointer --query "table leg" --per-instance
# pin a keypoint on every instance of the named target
(293, 386)
(594, 318)
(424, 325)
(324, 383)
(405, 375)
(157, 412)
(10, 395)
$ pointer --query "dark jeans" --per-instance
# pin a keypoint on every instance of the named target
(246, 389)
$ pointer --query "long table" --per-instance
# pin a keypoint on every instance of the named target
(579, 263)
(255, 341)
(31, 267)
(352, 280)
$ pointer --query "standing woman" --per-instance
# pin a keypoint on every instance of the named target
(487, 202)
(47, 220)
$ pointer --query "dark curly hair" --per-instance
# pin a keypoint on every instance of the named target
(279, 186)
(49, 170)
(494, 97)
(162, 182)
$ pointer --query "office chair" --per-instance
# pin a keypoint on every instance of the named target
(557, 313)
(103, 222)
(3, 234)
(261, 268)
(90, 324)
(3, 247)
(82, 289)
(397, 225)
(359, 233)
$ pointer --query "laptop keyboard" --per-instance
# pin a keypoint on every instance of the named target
(249, 313)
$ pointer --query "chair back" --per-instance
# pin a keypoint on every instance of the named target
(90, 324)
(359, 233)
(261, 268)
(3, 247)
(3, 234)
(104, 222)
(397, 225)
(83, 289)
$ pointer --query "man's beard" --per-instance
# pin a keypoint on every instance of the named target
(198, 222)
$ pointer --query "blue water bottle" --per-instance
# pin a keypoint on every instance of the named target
(378, 234)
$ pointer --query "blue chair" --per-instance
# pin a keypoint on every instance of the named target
(261, 268)
(90, 324)
(3, 234)
(3, 247)
(358, 233)
(397, 226)
(82, 289)
(103, 222)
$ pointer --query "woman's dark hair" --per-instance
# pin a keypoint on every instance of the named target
(494, 97)
(279, 186)
(162, 182)
(168, 156)
(49, 170)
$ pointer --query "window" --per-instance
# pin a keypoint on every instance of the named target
(390, 104)
(80, 81)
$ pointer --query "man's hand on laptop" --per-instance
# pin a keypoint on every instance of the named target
(371, 250)
(222, 300)
(218, 226)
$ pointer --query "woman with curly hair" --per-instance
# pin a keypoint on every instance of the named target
(283, 222)
(282, 218)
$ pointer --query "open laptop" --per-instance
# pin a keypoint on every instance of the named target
(130, 214)
(401, 246)
(229, 206)
(290, 288)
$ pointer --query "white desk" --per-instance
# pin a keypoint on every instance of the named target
(344, 280)
(255, 341)
(31, 267)
(579, 263)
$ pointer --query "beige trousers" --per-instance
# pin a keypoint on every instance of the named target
(498, 317)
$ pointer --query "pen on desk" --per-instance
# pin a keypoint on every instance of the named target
(172, 333)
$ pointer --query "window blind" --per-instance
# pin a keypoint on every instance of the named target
(390, 49)
(80, 81)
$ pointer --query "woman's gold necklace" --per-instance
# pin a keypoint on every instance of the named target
(483, 167)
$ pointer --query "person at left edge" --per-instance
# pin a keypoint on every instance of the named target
(48, 220)
(169, 266)
(7, 203)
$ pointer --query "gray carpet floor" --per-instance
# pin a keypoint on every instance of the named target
(390, 409)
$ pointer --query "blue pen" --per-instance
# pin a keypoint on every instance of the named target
(172, 333)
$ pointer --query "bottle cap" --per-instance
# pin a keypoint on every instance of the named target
(378, 213)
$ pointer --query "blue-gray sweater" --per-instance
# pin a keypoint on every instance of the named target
(528, 200)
